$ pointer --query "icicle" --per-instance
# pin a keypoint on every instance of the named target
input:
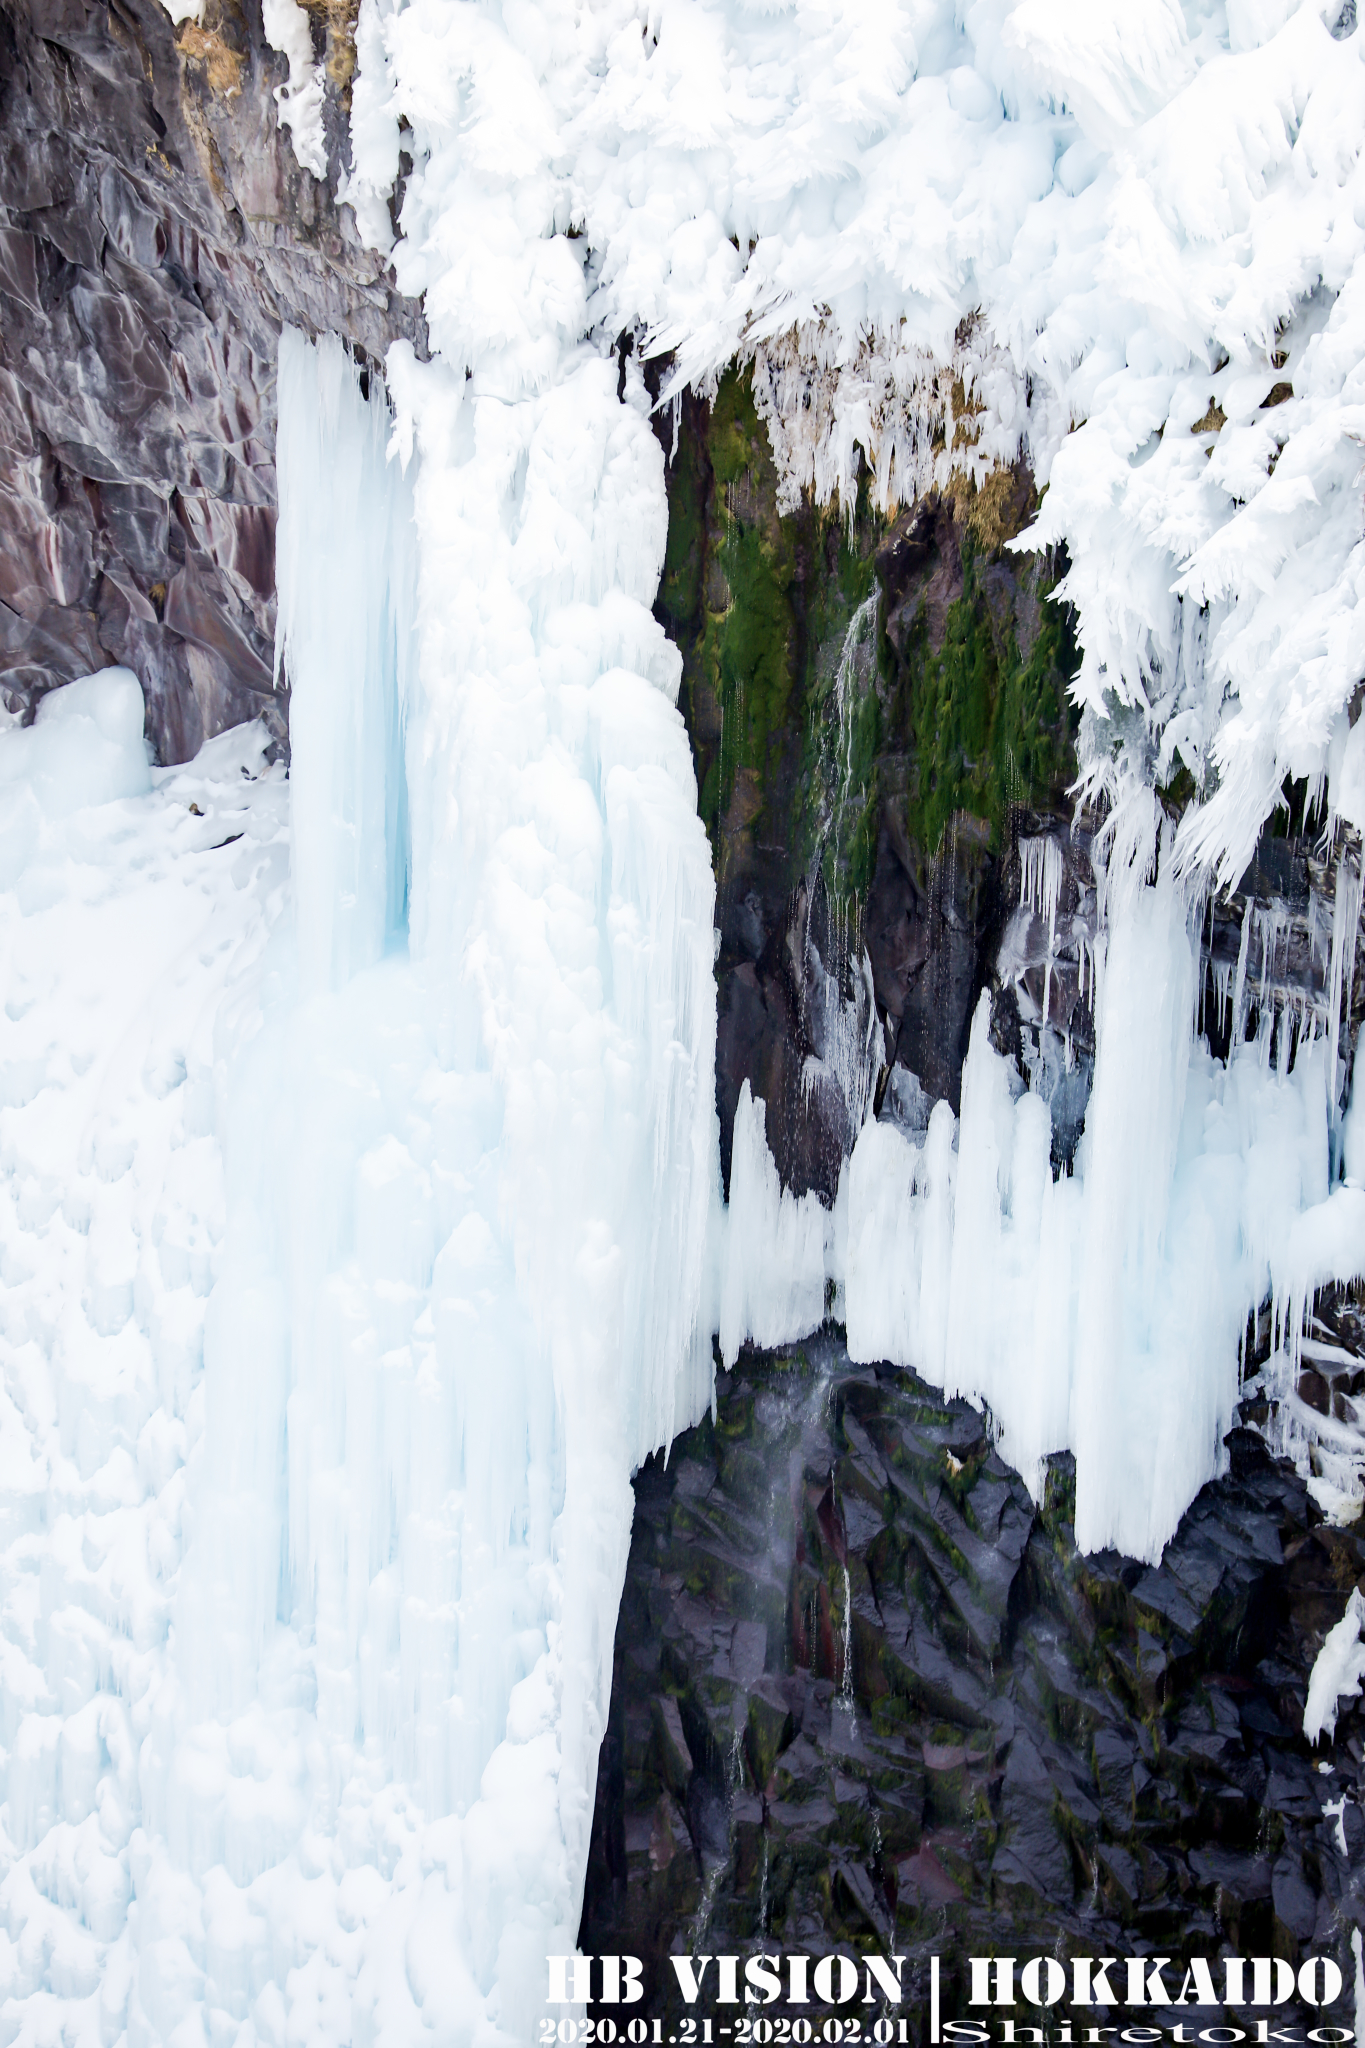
(846, 1679)
(346, 558)
(1040, 886)
(1240, 981)
(1271, 922)
(1341, 977)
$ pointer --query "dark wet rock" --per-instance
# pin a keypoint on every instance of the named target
(674, 1756)
(784, 1025)
(959, 1737)
(770, 1727)
(155, 234)
(853, 693)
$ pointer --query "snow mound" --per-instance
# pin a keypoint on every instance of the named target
(85, 747)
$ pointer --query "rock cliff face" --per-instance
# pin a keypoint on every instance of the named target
(877, 711)
(155, 234)
(866, 1698)
(884, 746)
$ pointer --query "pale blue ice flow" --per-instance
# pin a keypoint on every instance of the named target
(346, 556)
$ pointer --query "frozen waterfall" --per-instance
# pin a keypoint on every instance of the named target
(468, 1360)
(370, 1251)
(359, 1166)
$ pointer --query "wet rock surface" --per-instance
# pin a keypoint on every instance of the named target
(867, 1699)
(877, 709)
(155, 234)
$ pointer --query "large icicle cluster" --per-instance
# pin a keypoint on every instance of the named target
(1102, 1311)
(1122, 240)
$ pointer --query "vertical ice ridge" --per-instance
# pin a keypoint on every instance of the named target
(345, 550)
(1346, 906)
(1041, 887)
(553, 1030)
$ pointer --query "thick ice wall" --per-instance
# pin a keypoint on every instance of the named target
(562, 906)
(448, 1245)
(360, 1275)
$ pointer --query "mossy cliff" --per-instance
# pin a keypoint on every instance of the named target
(873, 706)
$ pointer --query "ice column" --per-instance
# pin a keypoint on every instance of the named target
(305, 1090)
(346, 565)
(1143, 1036)
(562, 915)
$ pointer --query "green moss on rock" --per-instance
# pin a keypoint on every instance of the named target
(953, 701)
(987, 727)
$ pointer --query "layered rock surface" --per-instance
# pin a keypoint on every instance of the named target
(155, 234)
